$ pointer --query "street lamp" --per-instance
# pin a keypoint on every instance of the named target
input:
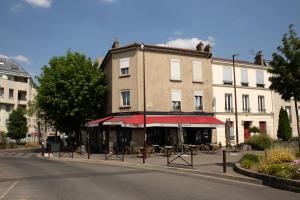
(144, 91)
(235, 101)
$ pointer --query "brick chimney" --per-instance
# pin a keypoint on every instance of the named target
(116, 44)
(259, 58)
(208, 48)
(200, 46)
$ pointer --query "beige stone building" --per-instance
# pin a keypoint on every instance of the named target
(178, 88)
(16, 90)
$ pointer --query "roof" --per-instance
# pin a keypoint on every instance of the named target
(238, 61)
(137, 121)
(12, 67)
(157, 48)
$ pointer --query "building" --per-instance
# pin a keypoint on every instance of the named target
(16, 90)
(254, 98)
(178, 86)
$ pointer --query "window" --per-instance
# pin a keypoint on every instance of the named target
(260, 79)
(22, 95)
(227, 75)
(175, 70)
(11, 93)
(176, 100)
(261, 104)
(198, 102)
(245, 99)
(124, 67)
(289, 112)
(197, 71)
(244, 77)
(228, 103)
(9, 107)
(1, 92)
(125, 98)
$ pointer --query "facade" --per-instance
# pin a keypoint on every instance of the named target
(178, 87)
(254, 99)
(16, 90)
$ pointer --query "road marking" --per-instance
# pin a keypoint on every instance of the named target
(4, 153)
(30, 154)
(19, 154)
(9, 189)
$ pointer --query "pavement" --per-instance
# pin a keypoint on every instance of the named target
(209, 164)
(55, 178)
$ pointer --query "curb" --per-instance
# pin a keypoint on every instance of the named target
(20, 149)
(158, 168)
(272, 181)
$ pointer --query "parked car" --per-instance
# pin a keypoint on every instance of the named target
(54, 142)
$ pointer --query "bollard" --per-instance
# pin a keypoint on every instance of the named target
(224, 161)
(88, 150)
(43, 150)
(192, 160)
(168, 156)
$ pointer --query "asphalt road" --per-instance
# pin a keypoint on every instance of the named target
(28, 178)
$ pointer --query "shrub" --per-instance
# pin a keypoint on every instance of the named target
(249, 160)
(254, 129)
(283, 170)
(284, 128)
(260, 142)
(278, 155)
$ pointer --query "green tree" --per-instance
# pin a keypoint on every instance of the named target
(17, 124)
(285, 69)
(284, 128)
(71, 91)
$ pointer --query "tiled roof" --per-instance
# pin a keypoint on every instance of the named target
(10, 66)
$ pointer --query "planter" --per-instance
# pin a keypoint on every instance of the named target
(272, 181)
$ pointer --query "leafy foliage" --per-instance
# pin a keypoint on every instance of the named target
(285, 70)
(17, 124)
(260, 142)
(254, 129)
(72, 90)
(249, 160)
(284, 128)
(282, 170)
(279, 155)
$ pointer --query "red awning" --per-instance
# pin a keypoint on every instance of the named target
(137, 121)
(96, 122)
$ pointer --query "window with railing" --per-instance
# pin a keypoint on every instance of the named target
(228, 103)
(261, 104)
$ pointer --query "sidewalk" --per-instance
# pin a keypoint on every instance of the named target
(204, 163)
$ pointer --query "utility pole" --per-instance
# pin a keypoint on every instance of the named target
(235, 101)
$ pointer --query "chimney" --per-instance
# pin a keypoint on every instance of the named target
(116, 44)
(208, 48)
(200, 46)
(259, 58)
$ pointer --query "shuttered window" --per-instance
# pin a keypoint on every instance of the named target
(124, 66)
(198, 100)
(227, 75)
(260, 78)
(197, 71)
(244, 76)
(176, 100)
(175, 69)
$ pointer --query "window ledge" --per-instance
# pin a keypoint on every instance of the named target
(124, 107)
(124, 76)
(174, 80)
(198, 82)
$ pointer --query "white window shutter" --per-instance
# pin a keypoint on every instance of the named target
(176, 95)
(197, 71)
(259, 77)
(175, 70)
(227, 74)
(244, 76)
(124, 63)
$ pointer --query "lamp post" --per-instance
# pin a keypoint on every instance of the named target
(235, 101)
(144, 91)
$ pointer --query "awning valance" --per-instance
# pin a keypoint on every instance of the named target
(137, 121)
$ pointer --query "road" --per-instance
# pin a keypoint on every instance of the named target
(30, 178)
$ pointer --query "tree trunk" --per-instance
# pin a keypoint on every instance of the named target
(297, 117)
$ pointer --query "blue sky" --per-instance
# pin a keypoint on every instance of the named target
(33, 31)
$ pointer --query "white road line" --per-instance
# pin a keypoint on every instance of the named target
(4, 153)
(20, 154)
(9, 189)
(10, 154)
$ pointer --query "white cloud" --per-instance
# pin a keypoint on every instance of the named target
(19, 58)
(17, 7)
(107, 1)
(39, 3)
(188, 43)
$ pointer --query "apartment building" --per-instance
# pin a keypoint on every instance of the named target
(254, 98)
(16, 90)
(178, 91)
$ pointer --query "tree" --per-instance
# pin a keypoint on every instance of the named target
(285, 70)
(17, 124)
(71, 91)
(284, 128)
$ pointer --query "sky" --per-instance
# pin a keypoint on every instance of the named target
(33, 31)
